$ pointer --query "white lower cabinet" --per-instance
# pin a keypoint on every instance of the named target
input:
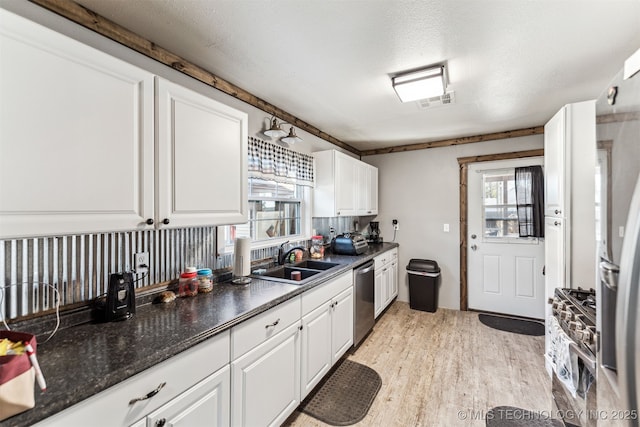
(327, 329)
(342, 324)
(205, 404)
(386, 280)
(201, 372)
(316, 347)
(266, 381)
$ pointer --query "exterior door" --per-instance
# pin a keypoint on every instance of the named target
(504, 270)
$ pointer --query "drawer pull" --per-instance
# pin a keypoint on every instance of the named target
(272, 325)
(148, 395)
(161, 422)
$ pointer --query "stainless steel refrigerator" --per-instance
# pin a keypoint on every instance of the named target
(618, 237)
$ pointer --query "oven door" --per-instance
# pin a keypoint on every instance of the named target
(574, 388)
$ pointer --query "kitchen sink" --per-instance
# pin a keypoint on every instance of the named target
(308, 269)
(315, 265)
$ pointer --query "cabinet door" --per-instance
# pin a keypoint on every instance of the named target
(393, 279)
(555, 164)
(341, 324)
(206, 403)
(201, 159)
(554, 254)
(76, 136)
(316, 347)
(373, 190)
(377, 293)
(265, 382)
(346, 178)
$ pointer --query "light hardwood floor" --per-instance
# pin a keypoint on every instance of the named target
(445, 369)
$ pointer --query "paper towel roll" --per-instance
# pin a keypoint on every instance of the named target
(242, 252)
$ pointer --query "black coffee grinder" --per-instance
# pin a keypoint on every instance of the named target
(374, 232)
(120, 303)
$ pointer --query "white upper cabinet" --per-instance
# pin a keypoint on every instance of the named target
(344, 186)
(201, 159)
(83, 148)
(76, 135)
(555, 145)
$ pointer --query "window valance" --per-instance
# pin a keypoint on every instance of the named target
(273, 162)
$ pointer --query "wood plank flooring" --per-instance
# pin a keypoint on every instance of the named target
(446, 369)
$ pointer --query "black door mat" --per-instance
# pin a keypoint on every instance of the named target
(344, 396)
(509, 324)
(510, 416)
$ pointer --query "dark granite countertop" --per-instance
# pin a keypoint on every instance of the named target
(83, 360)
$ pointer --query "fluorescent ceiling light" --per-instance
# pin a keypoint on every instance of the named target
(420, 84)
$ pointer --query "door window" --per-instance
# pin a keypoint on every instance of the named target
(499, 210)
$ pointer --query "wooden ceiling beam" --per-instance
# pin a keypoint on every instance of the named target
(113, 31)
(456, 141)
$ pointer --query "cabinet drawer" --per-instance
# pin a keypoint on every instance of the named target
(256, 330)
(381, 260)
(323, 293)
(111, 407)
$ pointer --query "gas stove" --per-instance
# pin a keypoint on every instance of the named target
(575, 310)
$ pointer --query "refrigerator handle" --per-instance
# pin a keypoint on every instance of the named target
(609, 275)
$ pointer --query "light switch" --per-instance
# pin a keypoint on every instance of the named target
(446, 228)
(621, 231)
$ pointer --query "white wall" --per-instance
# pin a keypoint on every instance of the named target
(421, 190)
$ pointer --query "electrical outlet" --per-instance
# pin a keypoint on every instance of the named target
(141, 262)
(396, 226)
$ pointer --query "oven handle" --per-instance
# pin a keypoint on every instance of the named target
(588, 360)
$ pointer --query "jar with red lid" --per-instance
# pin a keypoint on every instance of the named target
(188, 284)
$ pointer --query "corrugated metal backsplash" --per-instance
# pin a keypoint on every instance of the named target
(79, 266)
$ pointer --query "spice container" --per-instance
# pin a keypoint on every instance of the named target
(317, 246)
(188, 283)
(205, 282)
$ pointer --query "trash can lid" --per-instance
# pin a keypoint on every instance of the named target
(423, 265)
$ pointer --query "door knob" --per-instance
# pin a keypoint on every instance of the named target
(473, 236)
(474, 247)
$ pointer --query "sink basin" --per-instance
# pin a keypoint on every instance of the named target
(315, 265)
(285, 273)
(308, 269)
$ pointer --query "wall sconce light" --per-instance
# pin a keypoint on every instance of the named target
(420, 84)
(275, 131)
(292, 138)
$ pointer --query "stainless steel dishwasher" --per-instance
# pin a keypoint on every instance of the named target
(363, 310)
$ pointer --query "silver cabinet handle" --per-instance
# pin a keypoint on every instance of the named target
(148, 395)
(272, 325)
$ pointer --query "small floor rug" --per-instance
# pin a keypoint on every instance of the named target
(508, 324)
(344, 397)
(510, 416)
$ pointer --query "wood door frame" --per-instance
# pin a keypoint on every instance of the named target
(463, 163)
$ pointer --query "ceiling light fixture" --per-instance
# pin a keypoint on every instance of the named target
(275, 131)
(292, 138)
(419, 84)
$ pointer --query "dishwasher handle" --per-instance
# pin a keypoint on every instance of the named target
(365, 268)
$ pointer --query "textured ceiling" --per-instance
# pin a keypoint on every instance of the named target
(512, 64)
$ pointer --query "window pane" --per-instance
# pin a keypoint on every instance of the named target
(499, 200)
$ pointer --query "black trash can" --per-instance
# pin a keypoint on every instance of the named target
(424, 283)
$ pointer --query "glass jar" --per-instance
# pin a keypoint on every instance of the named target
(205, 280)
(188, 284)
(317, 246)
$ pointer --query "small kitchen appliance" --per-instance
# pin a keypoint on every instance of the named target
(121, 301)
(374, 232)
(349, 244)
